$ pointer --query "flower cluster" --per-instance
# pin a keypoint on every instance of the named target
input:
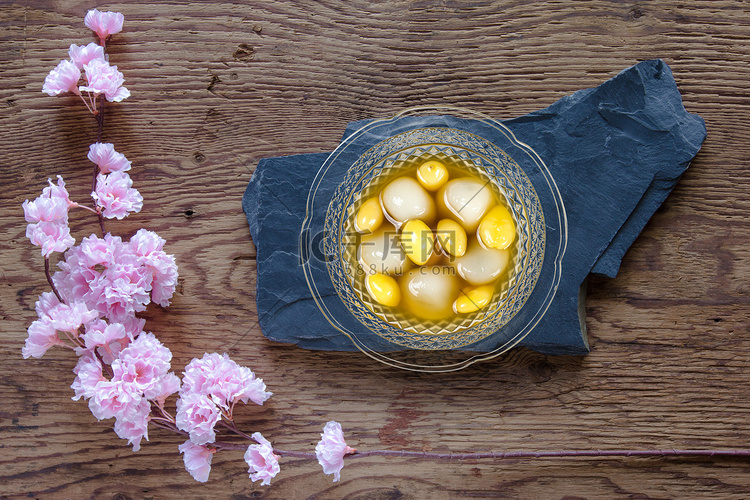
(100, 77)
(48, 219)
(118, 279)
(104, 282)
(100, 279)
(114, 194)
(140, 378)
(114, 197)
(211, 387)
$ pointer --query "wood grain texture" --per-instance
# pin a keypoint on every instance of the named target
(218, 85)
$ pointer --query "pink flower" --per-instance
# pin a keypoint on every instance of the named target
(142, 364)
(147, 245)
(57, 191)
(163, 271)
(331, 450)
(46, 209)
(81, 55)
(107, 339)
(120, 292)
(133, 425)
(197, 460)
(197, 414)
(264, 465)
(245, 386)
(50, 236)
(48, 214)
(74, 277)
(168, 384)
(113, 398)
(133, 326)
(104, 24)
(51, 206)
(101, 78)
(69, 318)
(64, 78)
(164, 278)
(105, 156)
(100, 251)
(99, 333)
(88, 374)
(42, 336)
(200, 374)
(47, 300)
(219, 376)
(115, 194)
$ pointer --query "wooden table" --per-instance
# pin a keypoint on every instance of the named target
(218, 85)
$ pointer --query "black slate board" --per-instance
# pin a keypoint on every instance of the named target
(615, 151)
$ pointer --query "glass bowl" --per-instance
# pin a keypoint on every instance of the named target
(359, 168)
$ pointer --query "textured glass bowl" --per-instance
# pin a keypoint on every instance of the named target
(357, 170)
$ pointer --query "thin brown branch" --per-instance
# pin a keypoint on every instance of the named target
(49, 280)
(234, 429)
(99, 134)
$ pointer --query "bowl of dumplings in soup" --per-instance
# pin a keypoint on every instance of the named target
(434, 236)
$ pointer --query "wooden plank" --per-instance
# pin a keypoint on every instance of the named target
(218, 85)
